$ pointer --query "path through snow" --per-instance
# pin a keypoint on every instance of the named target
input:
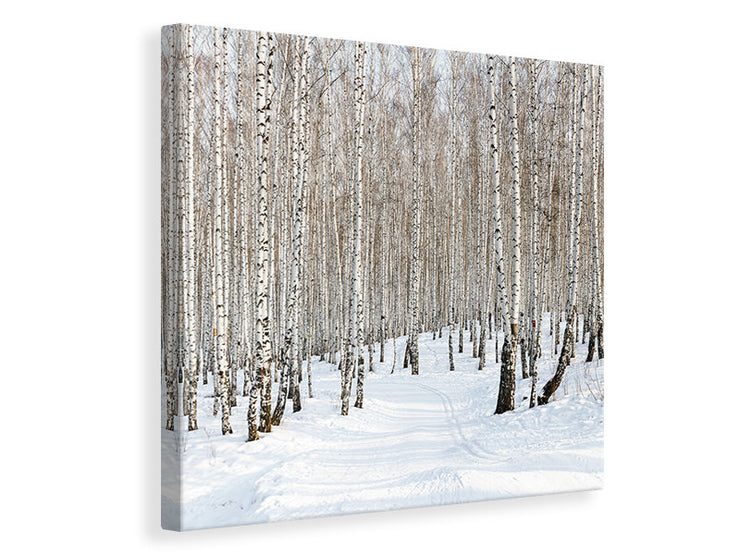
(420, 440)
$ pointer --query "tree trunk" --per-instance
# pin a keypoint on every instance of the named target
(415, 216)
(264, 348)
(188, 130)
(360, 80)
(575, 219)
(507, 384)
(222, 326)
(507, 381)
(597, 327)
(536, 308)
(300, 224)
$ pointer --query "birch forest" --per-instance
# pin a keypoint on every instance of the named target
(338, 211)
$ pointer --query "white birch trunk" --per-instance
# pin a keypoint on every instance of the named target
(506, 382)
(303, 153)
(170, 361)
(535, 310)
(188, 125)
(264, 348)
(415, 216)
(357, 250)
(219, 232)
(597, 325)
(576, 190)
(451, 314)
(290, 348)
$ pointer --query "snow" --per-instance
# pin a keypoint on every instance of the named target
(419, 440)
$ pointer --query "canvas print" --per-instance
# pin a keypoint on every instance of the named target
(382, 277)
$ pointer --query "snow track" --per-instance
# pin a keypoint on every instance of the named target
(468, 445)
(420, 440)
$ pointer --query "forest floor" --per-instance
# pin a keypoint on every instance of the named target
(419, 440)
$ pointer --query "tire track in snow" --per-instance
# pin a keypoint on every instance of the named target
(470, 446)
(313, 459)
(473, 447)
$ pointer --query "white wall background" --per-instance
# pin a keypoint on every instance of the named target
(79, 225)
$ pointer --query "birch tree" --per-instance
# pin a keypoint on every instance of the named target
(357, 266)
(597, 327)
(300, 223)
(576, 196)
(264, 349)
(456, 61)
(189, 226)
(415, 214)
(535, 323)
(507, 383)
(169, 189)
(291, 349)
(221, 318)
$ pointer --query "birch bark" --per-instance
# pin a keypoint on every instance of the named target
(170, 191)
(357, 249)
(264, 348)
(303, 153)
(535, 309)
(221, 318)
(190, 245)
(415, 215)
(507, 382)
(597, 326)
(575, 219)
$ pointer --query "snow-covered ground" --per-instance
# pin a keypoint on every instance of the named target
(419, 440)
